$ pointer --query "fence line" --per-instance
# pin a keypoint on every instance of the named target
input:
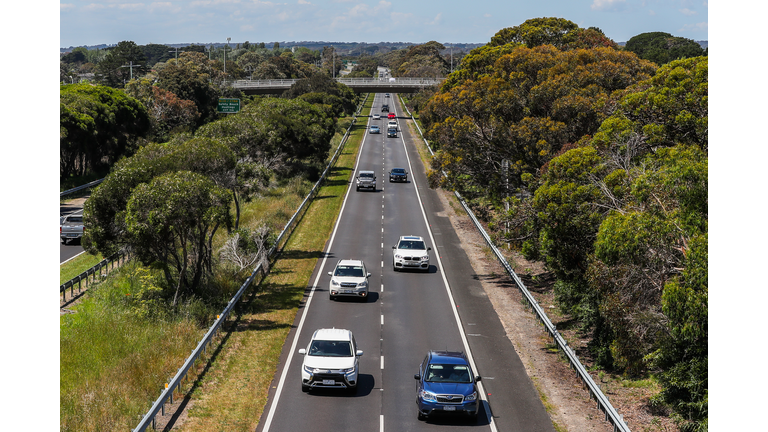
(603, 404)
(91, 272)
(167, 394)
(85, 186)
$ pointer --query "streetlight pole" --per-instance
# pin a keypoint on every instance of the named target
(176, 49)
(225, 56)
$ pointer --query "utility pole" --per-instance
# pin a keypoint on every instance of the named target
(177, 53)
(131, 66)
(225, 56)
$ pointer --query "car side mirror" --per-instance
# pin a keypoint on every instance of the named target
(359, 353)
(394, 247)
(330, 273)
(478, 378)
(429, 248)
(417, 377)
(302, 351)
(368, 275)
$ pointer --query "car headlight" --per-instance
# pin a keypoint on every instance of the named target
(425, 258)
(348, 371)
(427, 396)
(334, 282)
(398, 256)
(471, 397)
(363, 284)
(310, 370)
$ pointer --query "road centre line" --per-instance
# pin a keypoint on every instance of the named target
(455, 309)
(294, 344)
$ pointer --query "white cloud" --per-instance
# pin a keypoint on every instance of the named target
(686, 11)
(652, 13)
(487, 15)
(66, 6)
(436, 20)
(702, 26)
(608, 5)
(304, 2)
(130, 6)
(94, 6)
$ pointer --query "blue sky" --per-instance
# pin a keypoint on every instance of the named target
(92, 22)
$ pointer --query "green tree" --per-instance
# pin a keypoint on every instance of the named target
(167, 112)
(341, 97)
(662, 48)
(171, 222)
(193, 77)
(104, 212)
(97, 125)
(122, 62)
(537, 100)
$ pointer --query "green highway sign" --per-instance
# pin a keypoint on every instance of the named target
(227, 105)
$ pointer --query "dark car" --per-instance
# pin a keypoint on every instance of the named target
(398, 175)
(446, 385)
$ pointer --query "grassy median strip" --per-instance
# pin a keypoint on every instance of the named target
(115, 354)
(232, 394)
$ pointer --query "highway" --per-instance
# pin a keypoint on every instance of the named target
(73, 248)
(406, 314)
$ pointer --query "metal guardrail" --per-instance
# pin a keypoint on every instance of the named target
(603, 404)
(79, 188)
(91, 272)
(167, 394)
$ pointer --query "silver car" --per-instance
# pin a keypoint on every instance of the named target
(366, 180)
(349, 279)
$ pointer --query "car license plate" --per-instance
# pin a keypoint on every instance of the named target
(346, 291)
(449, 408)
(329, 382)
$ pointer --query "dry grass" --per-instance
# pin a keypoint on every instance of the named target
(233, 392)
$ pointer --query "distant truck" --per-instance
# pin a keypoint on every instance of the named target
(392, 132)
(71, 227)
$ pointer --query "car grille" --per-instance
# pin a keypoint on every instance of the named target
(450, 398)
(348, 285)
(418, 259)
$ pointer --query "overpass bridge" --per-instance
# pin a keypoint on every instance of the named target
(358, 85)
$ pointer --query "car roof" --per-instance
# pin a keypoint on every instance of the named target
(448, 357)
(365, 171)
(332, 334)
(350, 262)
(410, 238)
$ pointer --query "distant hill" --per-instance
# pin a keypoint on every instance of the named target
(702, 43)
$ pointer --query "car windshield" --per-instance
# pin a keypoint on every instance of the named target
(366, 175)
(398, 171)
(330, 348)
(349, 271)
(75, 219)
(450, 373)
(411, 244)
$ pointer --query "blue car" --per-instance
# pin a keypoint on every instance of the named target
(446, 385)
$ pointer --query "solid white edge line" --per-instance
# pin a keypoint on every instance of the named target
(381, 423)
(278, 392)
(78, 256)
(448, 290)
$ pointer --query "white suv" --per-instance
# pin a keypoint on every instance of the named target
(330, 361)
(349, 278)
(410, 253)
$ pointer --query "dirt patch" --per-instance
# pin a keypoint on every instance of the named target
(562, 392)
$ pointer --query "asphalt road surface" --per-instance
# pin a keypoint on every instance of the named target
(73, 248)
(406, 314)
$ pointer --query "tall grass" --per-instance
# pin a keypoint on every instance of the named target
(121, 346)
(114, 360)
